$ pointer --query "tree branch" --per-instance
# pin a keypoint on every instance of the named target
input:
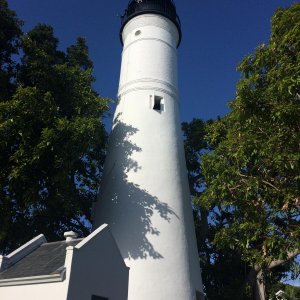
(264, 181)
(279, 262)
(271, 185)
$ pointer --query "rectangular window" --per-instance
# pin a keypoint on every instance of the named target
(98, 298)
(158, 103)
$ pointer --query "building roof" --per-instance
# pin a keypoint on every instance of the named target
(47, 259)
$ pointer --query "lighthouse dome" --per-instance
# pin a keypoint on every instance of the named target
(165, 8)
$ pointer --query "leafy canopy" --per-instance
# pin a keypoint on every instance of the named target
(253, 174)
(10, 33)
(223, 271)
(52, 139)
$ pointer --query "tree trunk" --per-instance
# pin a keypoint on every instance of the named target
(260, 287)
(256, 280)
(256, 276)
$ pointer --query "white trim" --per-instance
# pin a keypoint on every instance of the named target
(99, 230)
(148, 39)
(150, 88)
(148, 80)
(91, 236)
(34, 279)
(21, 252)
(28, 247)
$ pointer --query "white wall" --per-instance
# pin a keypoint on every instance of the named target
(41, 291)
(50, 291)
(98, 269)
(94, 267)
(144, 195)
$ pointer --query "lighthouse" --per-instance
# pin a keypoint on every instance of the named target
(144, 196)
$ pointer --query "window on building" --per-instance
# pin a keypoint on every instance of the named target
(158, 103)
(99, 298)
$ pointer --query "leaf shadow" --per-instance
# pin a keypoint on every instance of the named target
(125, 205)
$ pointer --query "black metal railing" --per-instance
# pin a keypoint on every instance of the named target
(163, 7)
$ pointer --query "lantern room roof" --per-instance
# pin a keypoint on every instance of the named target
(165, 8)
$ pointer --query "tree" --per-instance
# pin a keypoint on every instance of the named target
(252, 176)
(10, 29)
(291, 292)
(223, 270)
(52, 142)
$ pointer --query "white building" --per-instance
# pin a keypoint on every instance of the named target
(75, 269)
(144, 198)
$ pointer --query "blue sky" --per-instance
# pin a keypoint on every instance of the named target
(216, 36)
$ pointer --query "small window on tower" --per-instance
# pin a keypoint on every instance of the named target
(158, 103)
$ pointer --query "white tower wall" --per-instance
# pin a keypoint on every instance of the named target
(144, 195)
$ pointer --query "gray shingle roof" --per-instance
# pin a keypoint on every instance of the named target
(45, 260)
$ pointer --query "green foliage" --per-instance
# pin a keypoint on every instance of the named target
(223, 271)
(10, 33)
(246, 193)
(291, 292)
(78, 55)
(253, 176)
(52, 142)
(194, 146)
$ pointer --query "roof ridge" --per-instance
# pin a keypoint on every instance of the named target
(61, 242)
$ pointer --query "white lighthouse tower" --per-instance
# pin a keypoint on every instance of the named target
(144, 195)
